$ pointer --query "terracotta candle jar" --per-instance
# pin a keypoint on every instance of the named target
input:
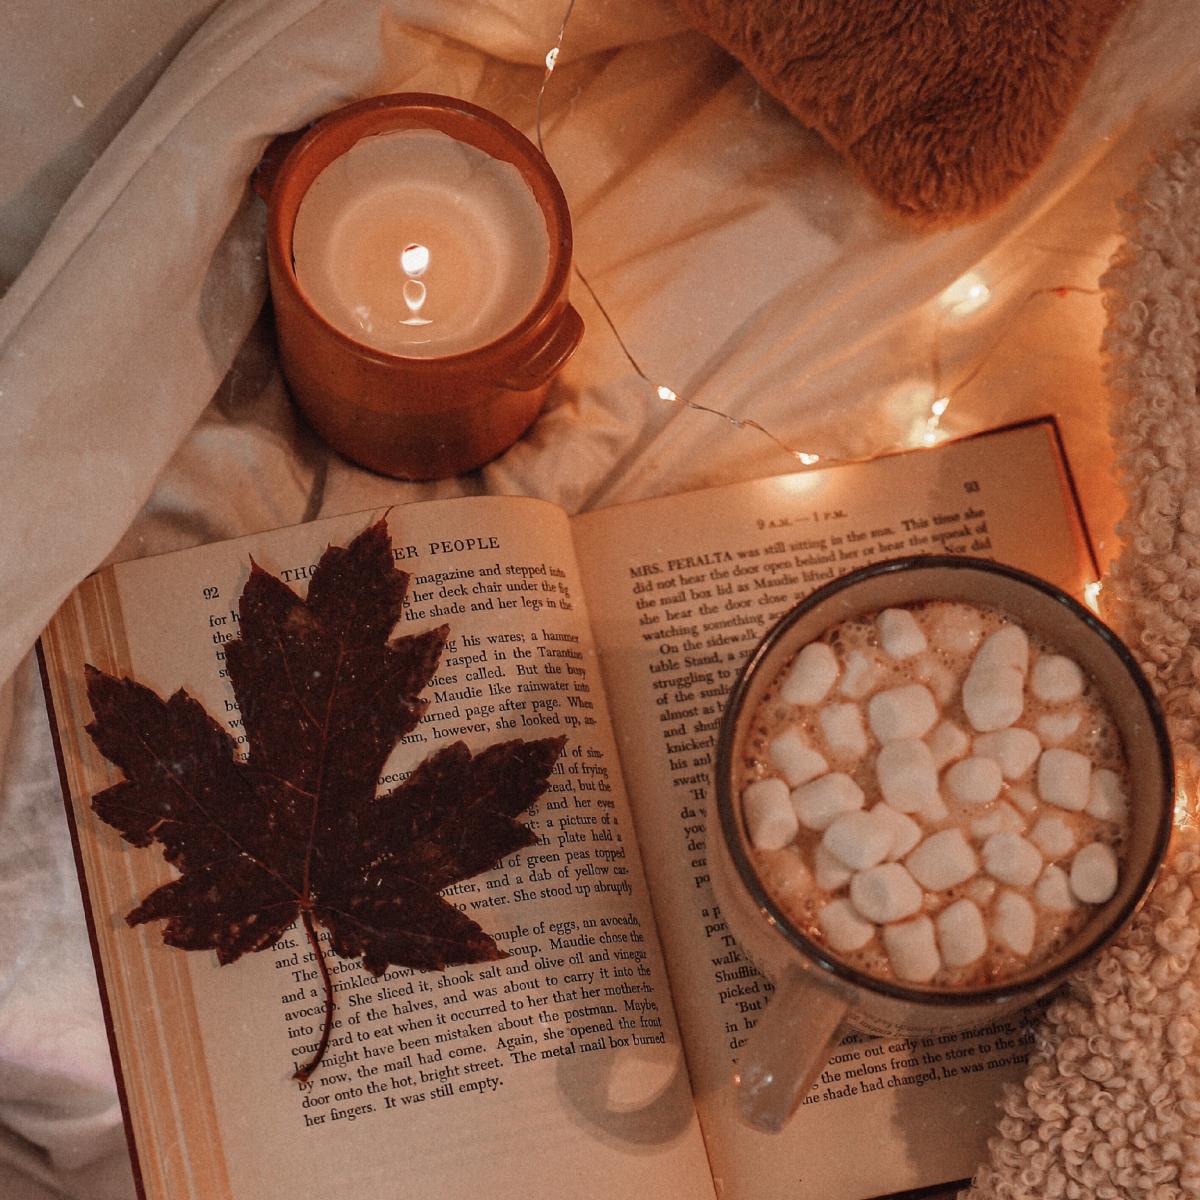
(419, 250)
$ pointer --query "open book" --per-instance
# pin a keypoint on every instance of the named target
(595, 1060)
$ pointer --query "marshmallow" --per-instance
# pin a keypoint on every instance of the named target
(830, 872)
(942, 860)
(905, 833)
(1063, 778)
(786, 874)
(1007, 647)
(1003, 818)
(935, 811)
(860, 675)
(859, 839)
(907, 775)
(1014, 922)
(993, 697)
(912, 950)
(1093, 873)
(1056, 679)
(1106, 795)
(1053, 891)
(790, 753)
(1011, 858)
(820, 803)
(937, 677)
(956, 629)
(974, 780)
(1016, 750)
(1055, 728)
(981, 889)
(908, 711)
(961, 935)
(885, 893)
(947, 743)
(842, 725)
(812, 675)
(1024, 799)
(770, 818)
(1053, 837)
(843, 928)
(899, 633)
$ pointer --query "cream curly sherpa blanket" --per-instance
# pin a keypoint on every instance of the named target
(1110, 1107)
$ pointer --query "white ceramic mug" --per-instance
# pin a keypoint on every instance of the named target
(818, 997)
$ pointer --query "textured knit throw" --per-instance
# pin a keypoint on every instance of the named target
(943, 107)
(1110, 1107)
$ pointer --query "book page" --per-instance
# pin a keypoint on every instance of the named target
(681, 589)
(497, 1079)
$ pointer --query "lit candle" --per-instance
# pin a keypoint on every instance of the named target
(419, 252)
(421, 245)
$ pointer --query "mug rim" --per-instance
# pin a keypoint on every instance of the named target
(815, 952)
(456, 118)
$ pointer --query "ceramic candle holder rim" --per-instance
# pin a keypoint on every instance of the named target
(732, 832)
(460, 119)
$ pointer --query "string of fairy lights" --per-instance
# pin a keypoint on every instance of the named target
(660, 389)
(962, 298)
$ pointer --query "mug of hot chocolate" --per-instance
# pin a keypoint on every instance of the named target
(942, 785)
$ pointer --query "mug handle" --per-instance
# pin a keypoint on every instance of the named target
(786, 1051)
(548, 358)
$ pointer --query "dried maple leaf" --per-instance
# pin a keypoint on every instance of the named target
(297, 830)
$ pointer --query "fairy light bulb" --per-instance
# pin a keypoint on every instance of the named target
(965, 295)
(1184, 812)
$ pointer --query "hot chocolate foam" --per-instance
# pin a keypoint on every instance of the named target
(956, 790)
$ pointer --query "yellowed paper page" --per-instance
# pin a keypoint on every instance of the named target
(554, 1071)
(680, 590)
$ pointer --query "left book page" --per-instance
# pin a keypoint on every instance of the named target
(497, 1079)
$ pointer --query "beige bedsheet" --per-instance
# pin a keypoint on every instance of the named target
(143, 410)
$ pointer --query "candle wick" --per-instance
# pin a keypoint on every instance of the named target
(414, 295)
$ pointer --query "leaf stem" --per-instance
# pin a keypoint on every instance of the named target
(302, 1073)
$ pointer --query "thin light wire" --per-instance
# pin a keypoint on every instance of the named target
(941, 400)
(661, 390)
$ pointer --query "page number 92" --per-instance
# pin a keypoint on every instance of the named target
(971, 485)
(212, 593)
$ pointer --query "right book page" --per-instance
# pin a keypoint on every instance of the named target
(680, 589)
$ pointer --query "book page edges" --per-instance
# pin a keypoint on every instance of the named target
(174, 1140)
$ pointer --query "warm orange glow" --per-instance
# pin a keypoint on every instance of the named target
(965, 295)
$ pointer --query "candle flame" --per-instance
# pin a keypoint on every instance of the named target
(414, 260)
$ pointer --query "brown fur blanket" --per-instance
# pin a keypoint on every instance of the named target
(943, 107)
